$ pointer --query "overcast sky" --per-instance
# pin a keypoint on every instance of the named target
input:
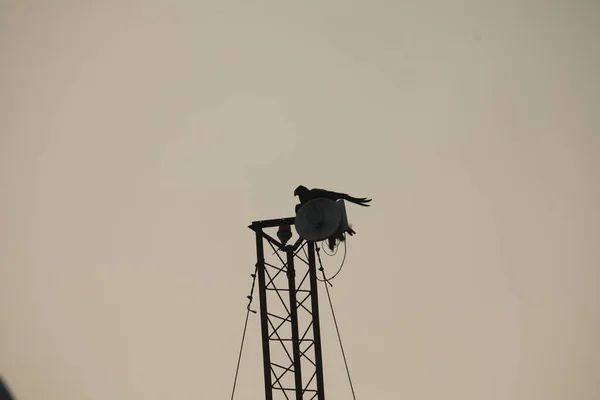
(138, 141)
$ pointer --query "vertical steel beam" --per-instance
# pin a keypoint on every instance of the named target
(316, 321)
(291, 274)
(264, 322)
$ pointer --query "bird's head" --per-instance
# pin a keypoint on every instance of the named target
(299, 190)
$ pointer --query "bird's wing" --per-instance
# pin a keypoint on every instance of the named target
(327, 194)
(315, 193)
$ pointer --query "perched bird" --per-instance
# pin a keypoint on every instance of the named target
(305, 195)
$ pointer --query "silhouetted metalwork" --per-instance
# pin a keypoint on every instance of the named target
(4, 392)
(292, 357)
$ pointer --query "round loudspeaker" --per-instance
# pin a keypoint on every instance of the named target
(318, 219)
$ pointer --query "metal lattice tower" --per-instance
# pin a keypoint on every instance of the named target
(289, 315)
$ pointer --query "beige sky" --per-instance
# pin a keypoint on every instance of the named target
(137, 142)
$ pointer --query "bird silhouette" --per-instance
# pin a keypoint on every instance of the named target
(305, 195)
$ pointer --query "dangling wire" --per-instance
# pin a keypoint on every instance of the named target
(248, 311)
(335, 249)
(335, 322)
(339, 269)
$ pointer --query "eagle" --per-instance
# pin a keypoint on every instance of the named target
(305, 195)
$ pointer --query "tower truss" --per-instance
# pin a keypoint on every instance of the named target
(289, 315)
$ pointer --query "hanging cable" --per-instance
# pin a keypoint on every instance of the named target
(248, 311)
(237, 369)
(334, 252)
(335, 322)
(339, 269)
